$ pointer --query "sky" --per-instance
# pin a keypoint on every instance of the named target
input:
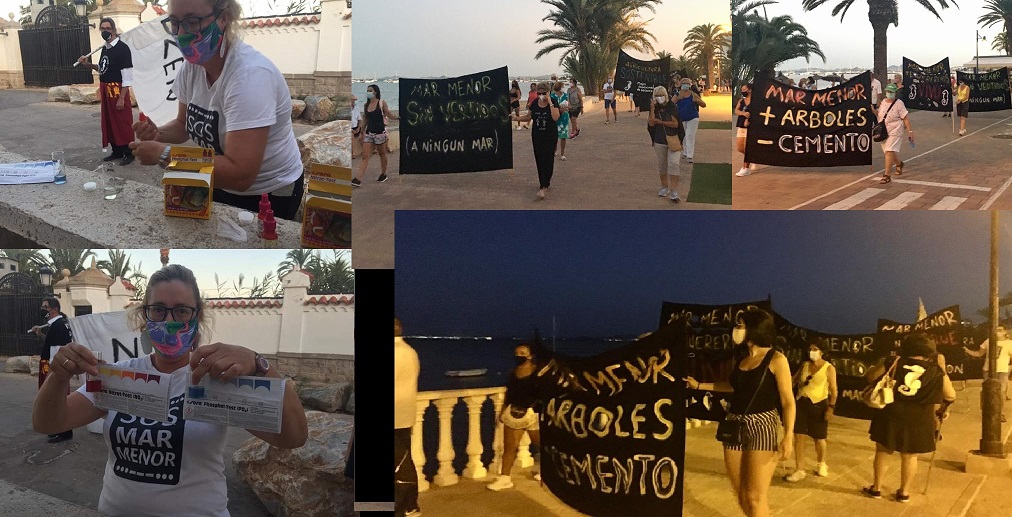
(920, 35)
(501, 274)
(228, 264)
(430, 38)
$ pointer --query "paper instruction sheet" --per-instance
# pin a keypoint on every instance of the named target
(246, 402)
(140, 393)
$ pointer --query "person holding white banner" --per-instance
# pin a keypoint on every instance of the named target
(231, 99)
(176, 467)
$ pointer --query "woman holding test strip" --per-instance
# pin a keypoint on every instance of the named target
(164, 468)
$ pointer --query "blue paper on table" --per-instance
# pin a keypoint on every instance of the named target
(27, 172)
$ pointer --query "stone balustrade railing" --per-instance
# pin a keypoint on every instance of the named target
(474, 398)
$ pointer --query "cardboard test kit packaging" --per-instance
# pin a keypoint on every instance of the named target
(189, 182)
(326, 222)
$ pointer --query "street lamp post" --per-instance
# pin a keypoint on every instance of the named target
(990, 395)
(46, 276)
(976, 69)
(81, 6)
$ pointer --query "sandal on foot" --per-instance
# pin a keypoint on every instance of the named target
(885, 179)
(899, 169)
(871, 491)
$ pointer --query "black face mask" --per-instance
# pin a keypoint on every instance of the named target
(106, 35)
(45, 313)
(520, 360)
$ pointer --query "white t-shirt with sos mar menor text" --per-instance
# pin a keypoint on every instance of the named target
(250, 93)
(163, 468)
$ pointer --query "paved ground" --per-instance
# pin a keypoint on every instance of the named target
(609, 167)
(953, 493)
(71, 471)
(944, 172)
(33, 127)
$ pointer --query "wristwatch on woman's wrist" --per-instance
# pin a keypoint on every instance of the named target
(263, 366)
(163, 160)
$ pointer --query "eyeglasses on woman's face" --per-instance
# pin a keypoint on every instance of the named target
(180, 313)
(189, 24)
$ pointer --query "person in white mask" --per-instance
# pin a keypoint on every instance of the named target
(816, 382)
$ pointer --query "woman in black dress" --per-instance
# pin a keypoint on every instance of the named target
(544, 134)
(908, 424)
(763, 401)
(518, 413)
(515, 98)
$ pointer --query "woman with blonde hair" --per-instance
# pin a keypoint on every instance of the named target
(164, 468)
(231, 99)
(664, 126)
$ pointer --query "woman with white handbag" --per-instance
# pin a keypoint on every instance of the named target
(907, 423)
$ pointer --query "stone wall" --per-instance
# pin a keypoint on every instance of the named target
(10, 79)
(330, 84)
(329, 368)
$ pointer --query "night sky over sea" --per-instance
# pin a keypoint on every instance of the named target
(501, 274)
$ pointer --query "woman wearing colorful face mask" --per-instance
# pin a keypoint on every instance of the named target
(816, 381)
(663, 124)
(762, 398)
(688, 112)
(518, 414)
(375, 133)
(894, 113)
(176, 467)
(231, 99)
(544, 112)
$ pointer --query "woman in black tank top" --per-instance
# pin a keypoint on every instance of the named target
(763, 403)
(375, 134)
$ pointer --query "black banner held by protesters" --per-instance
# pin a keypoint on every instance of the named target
(709, 351)
(988, 92)
(852, 355)
(792, 127)
(459, 124)
(634, 76)
(927, 88)
(946, 329)
(613, 427)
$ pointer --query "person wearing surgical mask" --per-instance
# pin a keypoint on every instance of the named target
(817, 391)
(544, 115)
(894, 114)
(376, 113)
(234, 100)
(665, 128)
(688, 112)
(175, 467)
(519, 414)
(763, 402)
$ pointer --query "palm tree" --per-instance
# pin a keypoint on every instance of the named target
(684, 63)
(759, 44)
(67, 258)
(29, 261)
(1000, 44)
(880, 13)
(998, 11)
(335, 276)
(118, 265)
(304, 259)
(703, 42)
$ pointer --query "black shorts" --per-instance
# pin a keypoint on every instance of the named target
(963, 109)
(575, 112)
(811, 418)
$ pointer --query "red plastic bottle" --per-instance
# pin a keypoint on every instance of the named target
(269, 238)
(265, 205)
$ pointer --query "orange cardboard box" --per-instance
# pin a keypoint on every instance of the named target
(326, 220)
(189, 182)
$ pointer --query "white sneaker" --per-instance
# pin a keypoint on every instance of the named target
(822, 470)
(674, 196)
(413, 513)
(563, 157)
(663, 192)
(537, 477)
(500, 483)
(743, 172)
(795, 476)
(962, 133)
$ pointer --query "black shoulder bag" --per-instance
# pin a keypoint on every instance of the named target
(731, 431)
(879, 132)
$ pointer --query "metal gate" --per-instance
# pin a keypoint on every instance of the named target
(51, 45)
(20, 310)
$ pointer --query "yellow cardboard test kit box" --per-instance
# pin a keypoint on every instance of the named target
(326, 221)
(189, 182)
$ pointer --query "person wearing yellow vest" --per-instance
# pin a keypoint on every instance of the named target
(962, 105)
(816, 381)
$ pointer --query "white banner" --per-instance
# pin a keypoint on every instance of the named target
(110, 334)
(156, 60)
(30, 172)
